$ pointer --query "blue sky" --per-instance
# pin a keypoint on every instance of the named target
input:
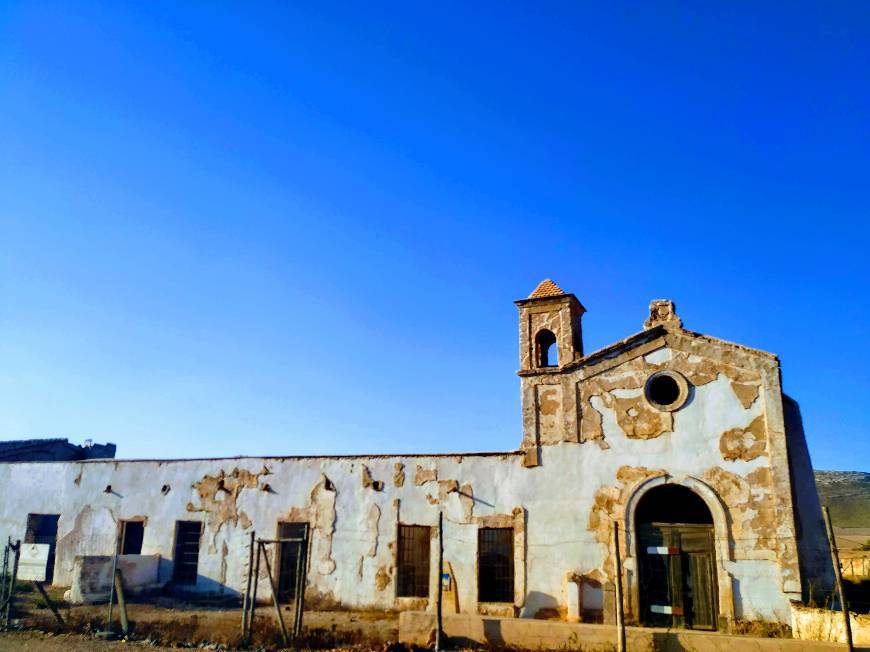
(294, 228)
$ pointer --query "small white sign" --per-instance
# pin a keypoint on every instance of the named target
(33, 562)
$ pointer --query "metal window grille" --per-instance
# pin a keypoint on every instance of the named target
(413, 561)
(291, 556)
(186, 566)
(495, 564)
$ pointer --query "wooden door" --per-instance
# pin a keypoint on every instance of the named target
(699, 596)
(677, 581)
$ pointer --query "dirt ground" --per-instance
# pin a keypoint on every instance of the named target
(175, 623)
(39, 642)
(850, 539)
(36, 641)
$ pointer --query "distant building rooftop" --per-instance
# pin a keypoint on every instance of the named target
(53, 450)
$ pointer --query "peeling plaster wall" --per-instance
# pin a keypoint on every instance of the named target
(727, 440)
(599, 451)
(353, 525)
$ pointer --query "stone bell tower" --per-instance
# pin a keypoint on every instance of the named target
(550, 335)
(550, 341)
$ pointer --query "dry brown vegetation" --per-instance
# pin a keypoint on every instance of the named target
(761, 629)
(171, 622)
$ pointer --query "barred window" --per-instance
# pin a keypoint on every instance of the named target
(495, 564)
(413, 561)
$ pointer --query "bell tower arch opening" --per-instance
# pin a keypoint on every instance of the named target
(677, 560)
(547, 348)
(550, 333)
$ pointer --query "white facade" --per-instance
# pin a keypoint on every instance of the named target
(560, 493)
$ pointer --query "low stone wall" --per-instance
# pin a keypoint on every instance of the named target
(92, 576)
(418, 628)
(855, 567)
(811, 624)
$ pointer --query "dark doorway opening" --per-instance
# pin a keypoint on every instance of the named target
(292, 557)
(186, 563)
(676, 559)
(42, 528)
(132, 534)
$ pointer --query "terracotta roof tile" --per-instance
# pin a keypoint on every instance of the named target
(546, 288)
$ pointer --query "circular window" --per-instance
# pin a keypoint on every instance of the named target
(667, 390)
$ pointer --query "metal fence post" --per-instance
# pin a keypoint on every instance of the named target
(301, 577)
(837, 576)
(112, 578)
(439, 625)
(4, 586)
(284, 636)
(49, 603)
(122, 602)
(247, 596)
(620, 615)
(253, 608)
(17, 549)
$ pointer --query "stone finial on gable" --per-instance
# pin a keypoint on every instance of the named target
(663, 312)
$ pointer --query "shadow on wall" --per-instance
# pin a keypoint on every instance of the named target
(760, 609)
(141, 575)
(739, 610)
(492, 632)
(814, 558)
(489, 633)
(205, 588)
(201, 585)
(540, 604)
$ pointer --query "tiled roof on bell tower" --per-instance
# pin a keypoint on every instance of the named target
(546, 288)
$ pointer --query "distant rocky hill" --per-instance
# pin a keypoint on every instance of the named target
(847, 495)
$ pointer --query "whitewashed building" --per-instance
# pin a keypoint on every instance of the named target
(685, 442)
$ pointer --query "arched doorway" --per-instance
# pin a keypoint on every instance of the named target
(677, 576)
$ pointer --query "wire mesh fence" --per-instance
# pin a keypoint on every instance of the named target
(286, 579)
(273, 600)
(856, 568)
(11, 555)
